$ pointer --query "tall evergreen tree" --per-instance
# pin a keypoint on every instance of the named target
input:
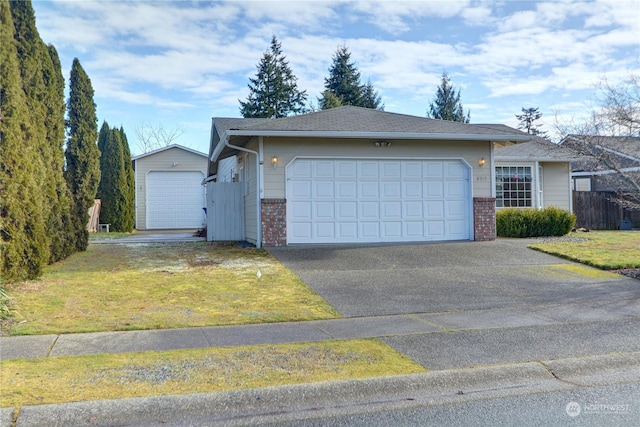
(129, 209)
(344, 78)
(60, 222)
(370, 97)
(82, 154)
(446, 104)
(527, 121)
(23, 251)
(115, 187)
(344, 83)
(273, 93)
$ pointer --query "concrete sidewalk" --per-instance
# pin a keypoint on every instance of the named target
(393, 327)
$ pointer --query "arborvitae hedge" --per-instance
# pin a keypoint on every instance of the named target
(552, 221)
(23, 249)
(115, 189)
(82, 154)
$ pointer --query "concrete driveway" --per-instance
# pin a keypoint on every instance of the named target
(440, 277)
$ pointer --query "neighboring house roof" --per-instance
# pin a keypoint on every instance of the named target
(168, 147)
(358, 122)
(621, 151)
(537, 149)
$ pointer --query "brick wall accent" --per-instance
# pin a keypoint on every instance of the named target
(484, 218)
(274, 222)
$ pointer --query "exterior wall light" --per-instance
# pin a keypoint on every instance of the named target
(481, 162)
(274, 162)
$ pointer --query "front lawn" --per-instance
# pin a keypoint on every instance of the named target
(111, 376)
(608, 250)
(164, 285)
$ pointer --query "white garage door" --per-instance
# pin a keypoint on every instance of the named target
(347, 200)
(175, 200)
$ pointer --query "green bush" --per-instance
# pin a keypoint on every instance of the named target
(514, 222)
(5, 311)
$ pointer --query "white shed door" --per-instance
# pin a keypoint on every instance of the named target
(348, 200)
(175, 200)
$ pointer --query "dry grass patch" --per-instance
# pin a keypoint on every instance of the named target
(71, 379)
(155, 286)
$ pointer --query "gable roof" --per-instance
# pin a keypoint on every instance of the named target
(168, 147)
(537, 149)
(357, 122)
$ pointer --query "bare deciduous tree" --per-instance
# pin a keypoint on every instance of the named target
(152, 137)
(609, 141)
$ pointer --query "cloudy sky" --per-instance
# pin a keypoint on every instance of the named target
(178, 63)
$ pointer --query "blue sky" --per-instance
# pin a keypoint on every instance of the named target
(179, 63)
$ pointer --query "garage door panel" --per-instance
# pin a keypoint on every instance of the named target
(369, 190)
(346, 169)
(349, 200)
(412, 170)
(433, 189)
(391, 210)
(346, 211)
(368, 170)
(370, 210)
(324, 230)
(300, 169)
(412, 190)
(301, 211)
(323, 190)
(346, 190)
(174, 200)
(370, 230)
(433, 170)
(323, 169)
(391, 170)
(324, 211)
(348, 230)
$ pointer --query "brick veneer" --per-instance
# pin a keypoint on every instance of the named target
(484, 218)
(274, 222)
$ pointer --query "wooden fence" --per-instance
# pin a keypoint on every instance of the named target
(595, 210)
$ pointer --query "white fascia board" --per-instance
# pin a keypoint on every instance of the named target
(378, 135)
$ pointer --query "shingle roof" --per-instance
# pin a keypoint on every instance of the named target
(357, 119)
(536, 149)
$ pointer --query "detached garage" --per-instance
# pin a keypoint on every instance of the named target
(354, 175)
(169, 190)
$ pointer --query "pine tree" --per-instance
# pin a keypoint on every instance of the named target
(527, 119)
(370, 97)
(82, 154)
(273, 93)
(344, 84)
(446, 104)
(344, 78)
(23, 251)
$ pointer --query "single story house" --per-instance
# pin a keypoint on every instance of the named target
(169, 192)
(534, 174)
(352, 175)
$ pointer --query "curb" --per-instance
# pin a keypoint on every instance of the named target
(302, 401)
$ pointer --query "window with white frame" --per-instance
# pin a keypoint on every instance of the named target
(513, 186)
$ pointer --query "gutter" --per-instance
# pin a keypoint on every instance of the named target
(378, 135)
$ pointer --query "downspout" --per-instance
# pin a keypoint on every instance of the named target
(258, 183)
(539, 188)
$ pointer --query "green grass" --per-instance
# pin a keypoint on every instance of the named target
(160, 286)
(71, 379)
(608, 250)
